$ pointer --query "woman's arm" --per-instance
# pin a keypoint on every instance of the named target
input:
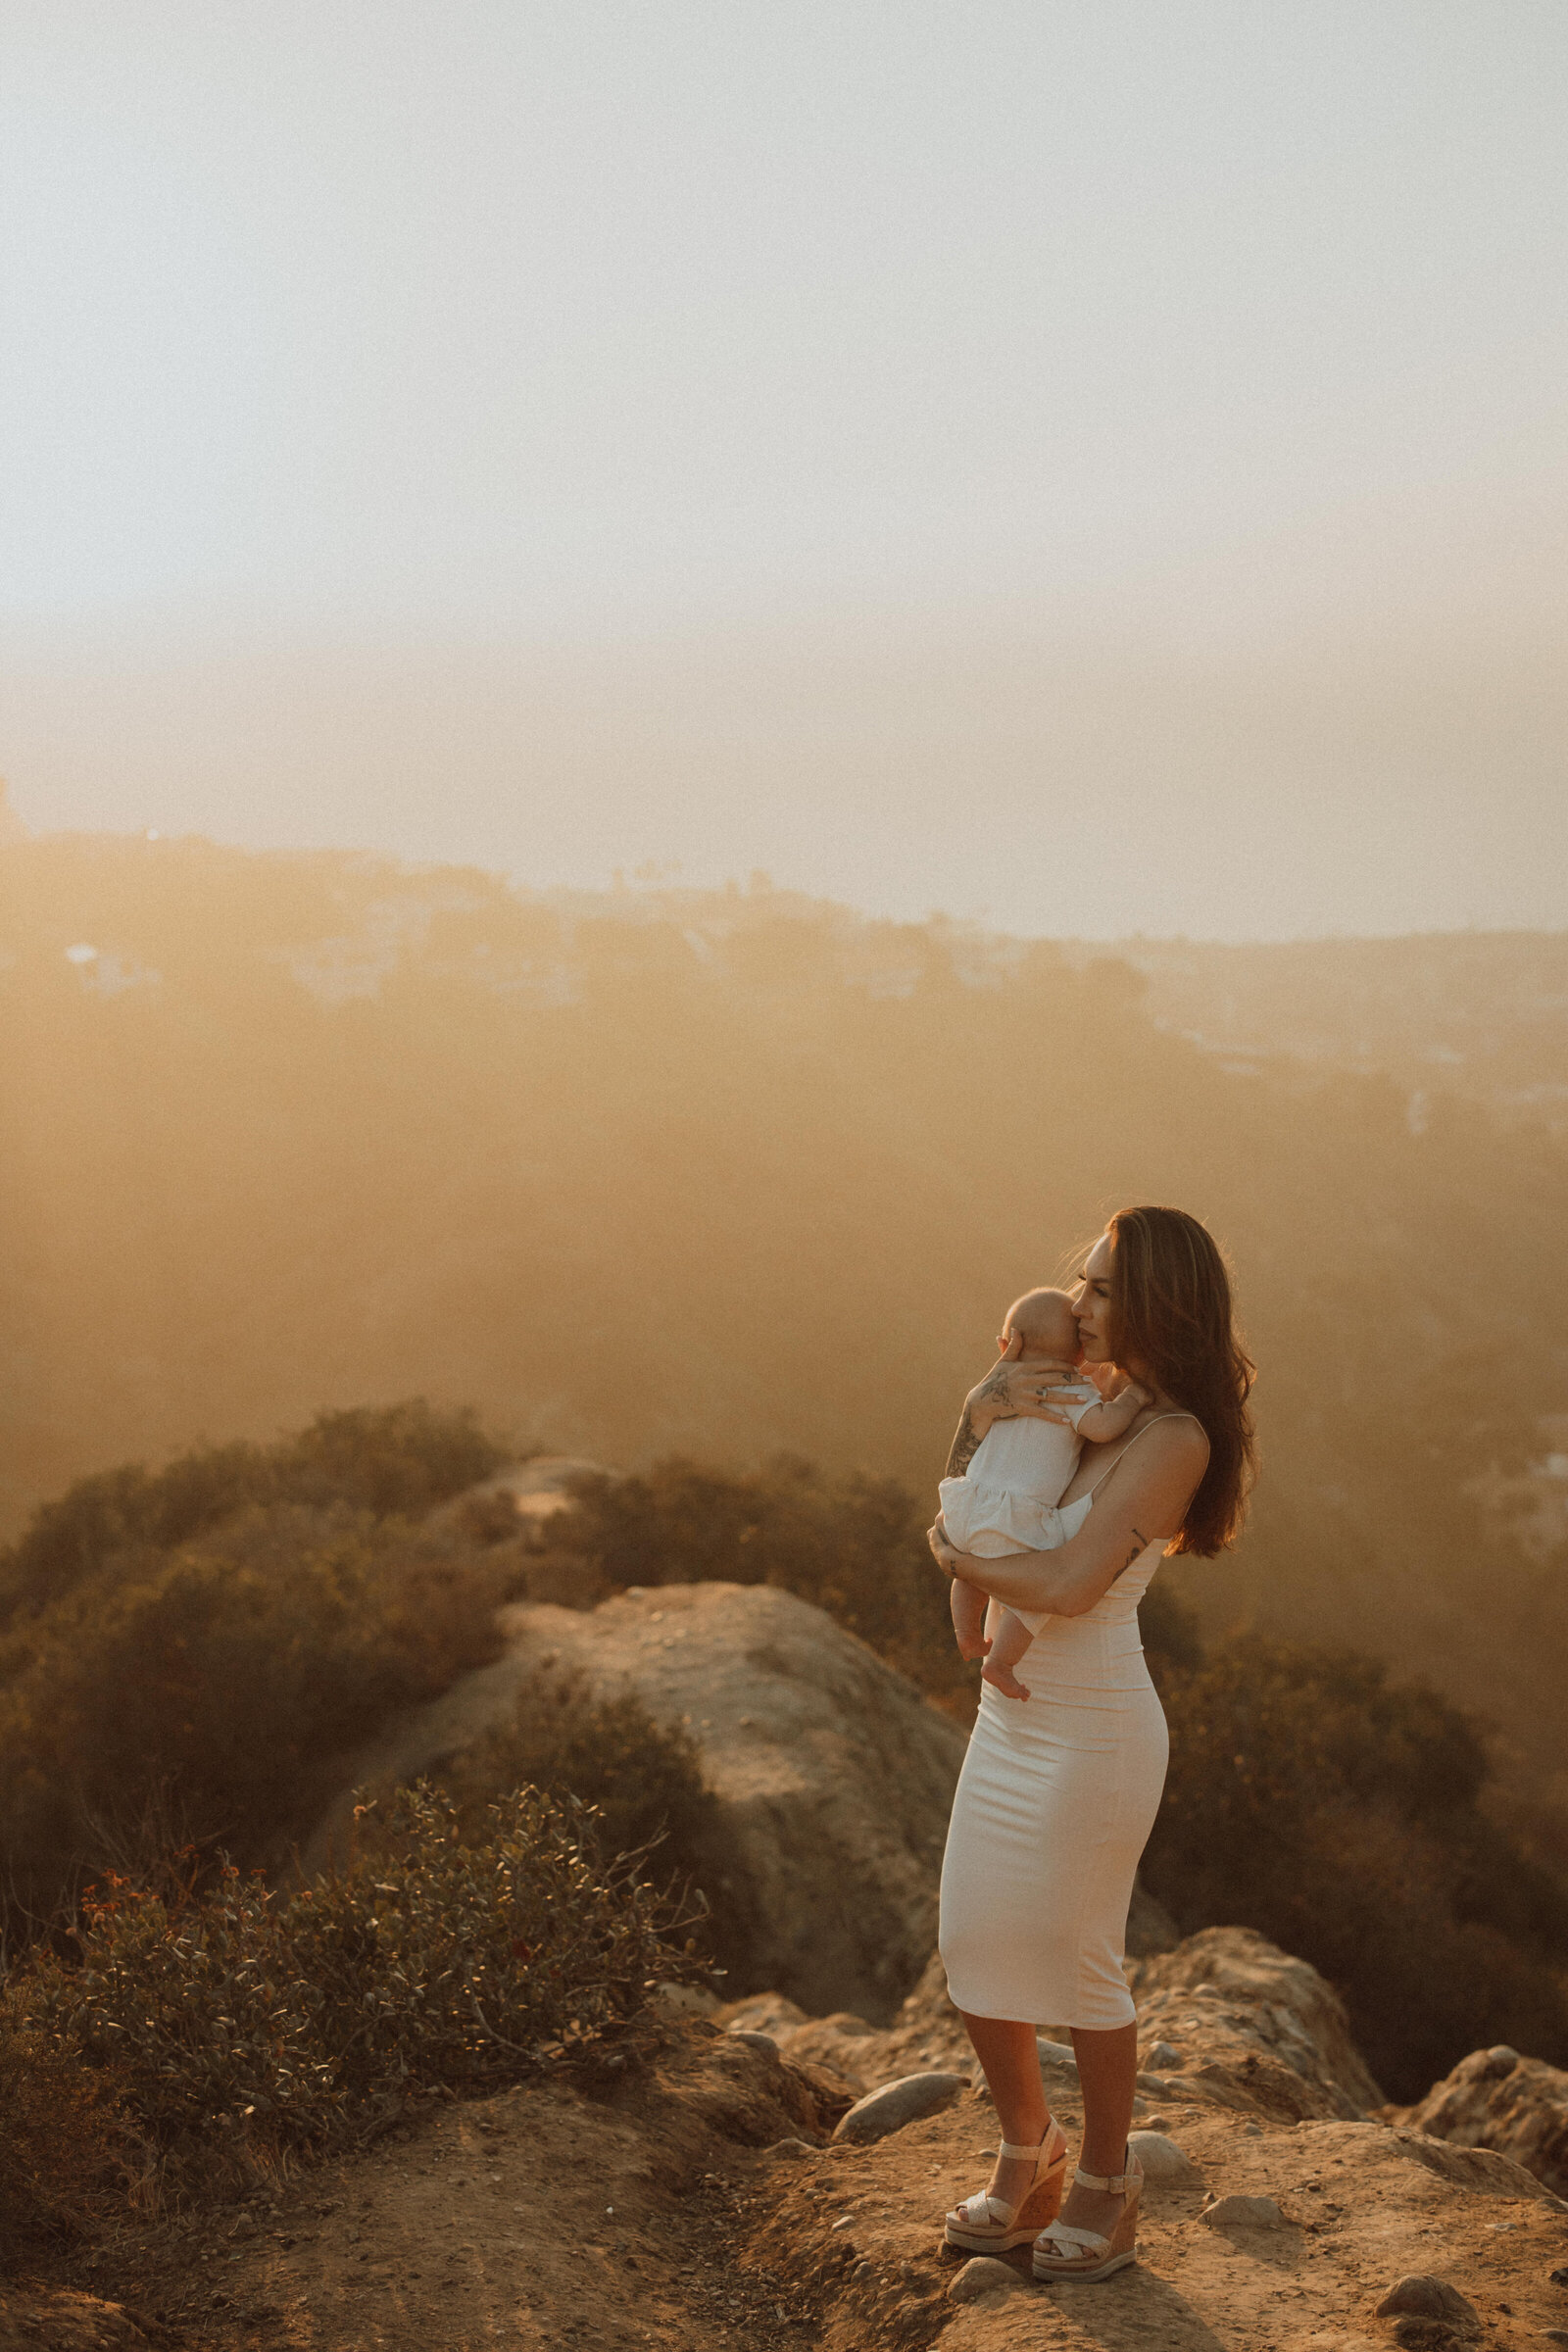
(1149, 1497)
(1009, 1390)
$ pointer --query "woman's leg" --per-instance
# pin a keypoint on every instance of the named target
(1107, 2076)
(1010, 2060)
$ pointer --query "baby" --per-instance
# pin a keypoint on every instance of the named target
(1006, 1500)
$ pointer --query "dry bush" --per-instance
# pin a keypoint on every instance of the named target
(63, 2140)
(236, 2026)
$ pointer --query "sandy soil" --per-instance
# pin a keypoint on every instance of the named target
(556, 2214)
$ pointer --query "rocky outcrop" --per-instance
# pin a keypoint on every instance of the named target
(1230, 2010)
(1496, 2099)
(723, 2216)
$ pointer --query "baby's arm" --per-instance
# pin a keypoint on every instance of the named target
(968, 1605)
(1101, 1421)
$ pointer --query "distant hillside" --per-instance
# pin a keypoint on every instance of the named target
(734, 1173)
(1481, 1014)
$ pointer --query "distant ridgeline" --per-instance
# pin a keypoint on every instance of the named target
(736, 1173)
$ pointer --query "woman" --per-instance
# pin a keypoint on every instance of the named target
(1057, 1797)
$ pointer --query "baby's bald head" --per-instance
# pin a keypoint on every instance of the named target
(1046, 1324)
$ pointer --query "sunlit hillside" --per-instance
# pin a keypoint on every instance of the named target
(736, 1173)
(1481, 1014)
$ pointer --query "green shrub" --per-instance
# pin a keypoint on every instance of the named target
(236, 1673)
(238, 2022)
(644, 1782)
(396, 1461)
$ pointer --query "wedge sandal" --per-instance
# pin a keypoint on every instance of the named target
(1066, 2251)
(988, 2224)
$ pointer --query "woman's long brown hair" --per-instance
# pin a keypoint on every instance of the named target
(1172, 1313)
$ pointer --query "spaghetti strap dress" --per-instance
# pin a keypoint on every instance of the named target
(1052, 1810)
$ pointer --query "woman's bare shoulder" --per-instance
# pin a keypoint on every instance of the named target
(1178, 1437)
(1169, 1442)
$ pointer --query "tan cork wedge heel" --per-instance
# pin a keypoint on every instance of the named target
(1065, 2251)
(988, 2224)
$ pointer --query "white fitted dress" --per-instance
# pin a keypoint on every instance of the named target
(1052, 1810)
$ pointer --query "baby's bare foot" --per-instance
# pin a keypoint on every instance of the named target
(1003, 1679)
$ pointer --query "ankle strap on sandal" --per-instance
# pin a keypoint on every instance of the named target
(1011, 2148)
(1118, 2183)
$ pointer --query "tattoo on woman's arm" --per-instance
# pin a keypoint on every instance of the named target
(1141, 1546)
(966, 1444)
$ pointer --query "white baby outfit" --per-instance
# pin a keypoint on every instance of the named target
(1006, 1500)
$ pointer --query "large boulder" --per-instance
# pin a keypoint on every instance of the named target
(1496, 2099)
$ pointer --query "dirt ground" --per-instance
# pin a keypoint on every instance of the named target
(697, 2203)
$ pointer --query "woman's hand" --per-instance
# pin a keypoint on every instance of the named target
(1009, 1391)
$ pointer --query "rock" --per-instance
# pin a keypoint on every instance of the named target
(1055, 2053)
(1266, 2024)
(1556, 2336)
(525, 1495)
(1496, 2099)
(1157, 2057)
(754, 2041)
(787, 2150)
(1422, 2296)
(984, 2275)
(896, 2104)
(1165, 2165)
(672, 2001)
(846, 2046)
(764, 2013)
(1244, 2213)
(1480, 2168)
(836, 1789)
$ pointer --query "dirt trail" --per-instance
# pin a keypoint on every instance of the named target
(558, 2214)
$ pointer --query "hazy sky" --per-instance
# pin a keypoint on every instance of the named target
(1104, 465)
